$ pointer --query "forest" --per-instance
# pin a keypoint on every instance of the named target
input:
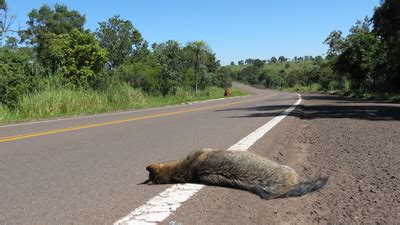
(56, 67)
(365, 63)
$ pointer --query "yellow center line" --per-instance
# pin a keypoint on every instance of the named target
(42, 133)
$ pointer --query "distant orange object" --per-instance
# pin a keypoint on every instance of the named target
(228, 92)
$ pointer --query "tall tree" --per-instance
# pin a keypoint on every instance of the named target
(335, 42)
(198, 48)
(386, 25)
(6, 21)
(356, 55)
(170, 59)
(77, 55)
(121, 39)
(47, 22)
(386, 19)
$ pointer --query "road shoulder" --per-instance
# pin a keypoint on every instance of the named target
(354, 143)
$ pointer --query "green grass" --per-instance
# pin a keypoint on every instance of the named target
(61, 102)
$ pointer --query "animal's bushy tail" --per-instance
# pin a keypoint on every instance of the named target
(307, 186)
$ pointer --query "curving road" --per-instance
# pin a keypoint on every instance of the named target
(86, 170)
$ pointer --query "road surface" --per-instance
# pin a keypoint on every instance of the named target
(86, 170)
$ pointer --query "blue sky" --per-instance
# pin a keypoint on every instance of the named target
(234, 29)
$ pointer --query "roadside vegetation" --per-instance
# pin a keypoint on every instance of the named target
(63, 101)
(55, 67)
(365, 63)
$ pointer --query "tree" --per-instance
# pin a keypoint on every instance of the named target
(335, 42)
(258, 63)
(142, 52)
(386, 25)
(170, 59)
(6, 21)
(386, 19)
(274, 60)
(198, 48)
(140, 75)
(318, 58)
(240, 62)
(249, 74)
(76, 55)
(282, 59)
(356, 57)
(13, 79)
(232, 63)
(249, 61)
(12, 42)
(211, 61)
(223, 78)
(270, 79)
(46, 22)
(121, 40)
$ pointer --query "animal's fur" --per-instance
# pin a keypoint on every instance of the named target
(235, 169)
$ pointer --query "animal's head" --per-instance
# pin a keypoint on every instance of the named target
(159, 173)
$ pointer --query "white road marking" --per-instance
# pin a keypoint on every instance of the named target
(161, 206)
(248, 141)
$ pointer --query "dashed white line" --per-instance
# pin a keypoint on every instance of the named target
(161, 206)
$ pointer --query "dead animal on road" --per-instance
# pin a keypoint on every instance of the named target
(234, 169)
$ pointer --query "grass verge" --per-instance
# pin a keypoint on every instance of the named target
(62, 102)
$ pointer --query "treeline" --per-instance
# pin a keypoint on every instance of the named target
(56, 51)
(274, 59)
(367, 60)
(313, 72)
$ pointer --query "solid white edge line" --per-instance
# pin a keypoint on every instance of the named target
(161, 206)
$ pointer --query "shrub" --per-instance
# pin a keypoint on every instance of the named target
(139, 75)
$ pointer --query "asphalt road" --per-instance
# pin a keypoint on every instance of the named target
(356, 143)
(86, 170)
